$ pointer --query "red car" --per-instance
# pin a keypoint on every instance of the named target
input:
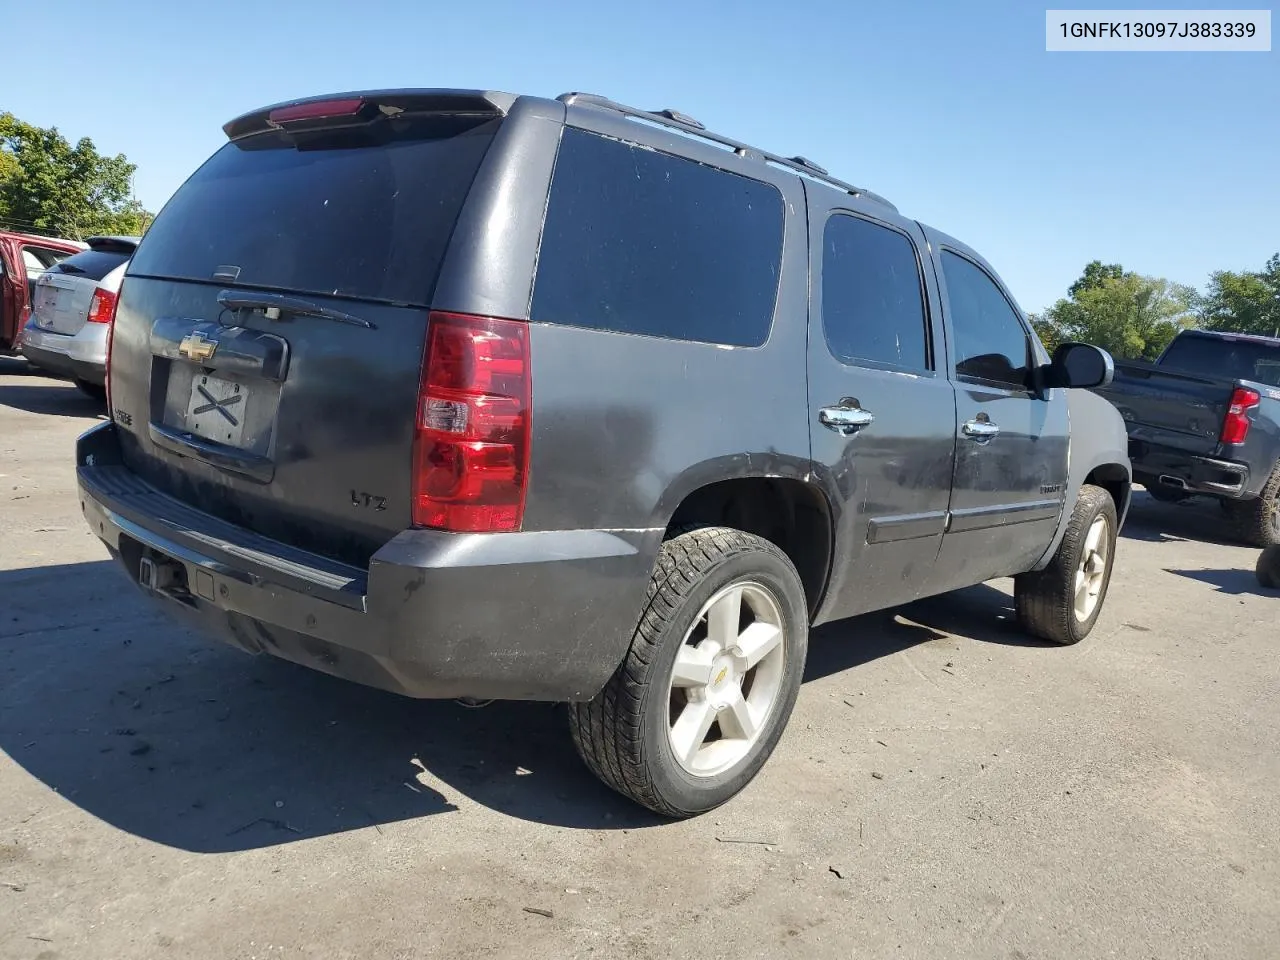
(23, 257)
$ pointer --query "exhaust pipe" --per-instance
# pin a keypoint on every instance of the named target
(1176, 482)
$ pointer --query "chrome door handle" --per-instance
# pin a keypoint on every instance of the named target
(845, 419)
(981, 430)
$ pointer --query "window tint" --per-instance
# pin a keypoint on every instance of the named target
(366, 214)
(638, 241)
(1225, 358)
(872, 306)
(990, 341)
(48, 257)
(35, 266)
(90, 264)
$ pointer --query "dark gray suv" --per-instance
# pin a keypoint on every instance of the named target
(463, 394)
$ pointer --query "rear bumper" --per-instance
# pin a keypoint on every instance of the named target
(82, 356)
(1170, 467)
(525, 616)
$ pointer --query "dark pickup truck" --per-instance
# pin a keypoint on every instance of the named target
(1205, 419)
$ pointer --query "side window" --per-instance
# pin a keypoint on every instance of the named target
(34, 264)
(990, 342)
(49, 257)
(872, 302)
(642, 242)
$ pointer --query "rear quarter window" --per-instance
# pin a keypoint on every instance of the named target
(91, 264)
(641, 242)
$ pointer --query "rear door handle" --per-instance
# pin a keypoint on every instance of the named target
(845, 419)
(981, 430)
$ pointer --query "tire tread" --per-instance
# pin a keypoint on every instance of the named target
(607, 730)
(1045, 598)
(1250, 520)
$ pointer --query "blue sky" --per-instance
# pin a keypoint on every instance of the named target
(1166, 163)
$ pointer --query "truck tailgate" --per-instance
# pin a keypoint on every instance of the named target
(1170, 408)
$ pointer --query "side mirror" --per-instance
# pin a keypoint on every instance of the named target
(1079, 365)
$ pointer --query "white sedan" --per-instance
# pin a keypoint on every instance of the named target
(72, 309)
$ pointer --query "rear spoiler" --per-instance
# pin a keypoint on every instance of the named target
(113, 244)
(361, 107)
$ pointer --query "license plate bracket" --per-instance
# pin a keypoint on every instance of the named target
(217, 409)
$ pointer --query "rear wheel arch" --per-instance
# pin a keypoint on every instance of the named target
(790, 513)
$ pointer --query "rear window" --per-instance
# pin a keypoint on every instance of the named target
(367, 219)
(1225, 359)
(90, 264)
(638, 241)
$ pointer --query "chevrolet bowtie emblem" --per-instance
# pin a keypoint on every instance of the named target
(195, 346)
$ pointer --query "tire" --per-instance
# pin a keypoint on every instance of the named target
(1166, 494)
(1268, 568)
(626, 733)
(1046, 600)
(92, 390)
(1256, 522)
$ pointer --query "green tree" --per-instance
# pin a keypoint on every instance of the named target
(1047, 330)
(1095, 274)
(1129, 315)
(1247, 302)
(49, 186)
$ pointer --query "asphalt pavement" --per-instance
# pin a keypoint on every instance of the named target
(947, 788)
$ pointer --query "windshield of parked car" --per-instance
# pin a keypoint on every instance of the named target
(1227, 358)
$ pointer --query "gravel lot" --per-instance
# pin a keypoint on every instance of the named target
(946, 787)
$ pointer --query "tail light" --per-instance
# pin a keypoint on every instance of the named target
(110, 321)
(1235, 425)
(472, 434)
(102, 308)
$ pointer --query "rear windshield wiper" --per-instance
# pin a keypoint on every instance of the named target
(276, 303)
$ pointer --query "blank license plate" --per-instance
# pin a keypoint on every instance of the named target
(217, 408)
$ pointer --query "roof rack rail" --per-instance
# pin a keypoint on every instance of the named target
(687, 125)
(679, 117)
(810, 165)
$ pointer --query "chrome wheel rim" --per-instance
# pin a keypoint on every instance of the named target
(726, 679)
(1091, 575)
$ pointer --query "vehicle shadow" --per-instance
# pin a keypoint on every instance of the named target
(980, 613)
(25, 388)
(1232, 582)
(188, 743)
(1198, 518)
